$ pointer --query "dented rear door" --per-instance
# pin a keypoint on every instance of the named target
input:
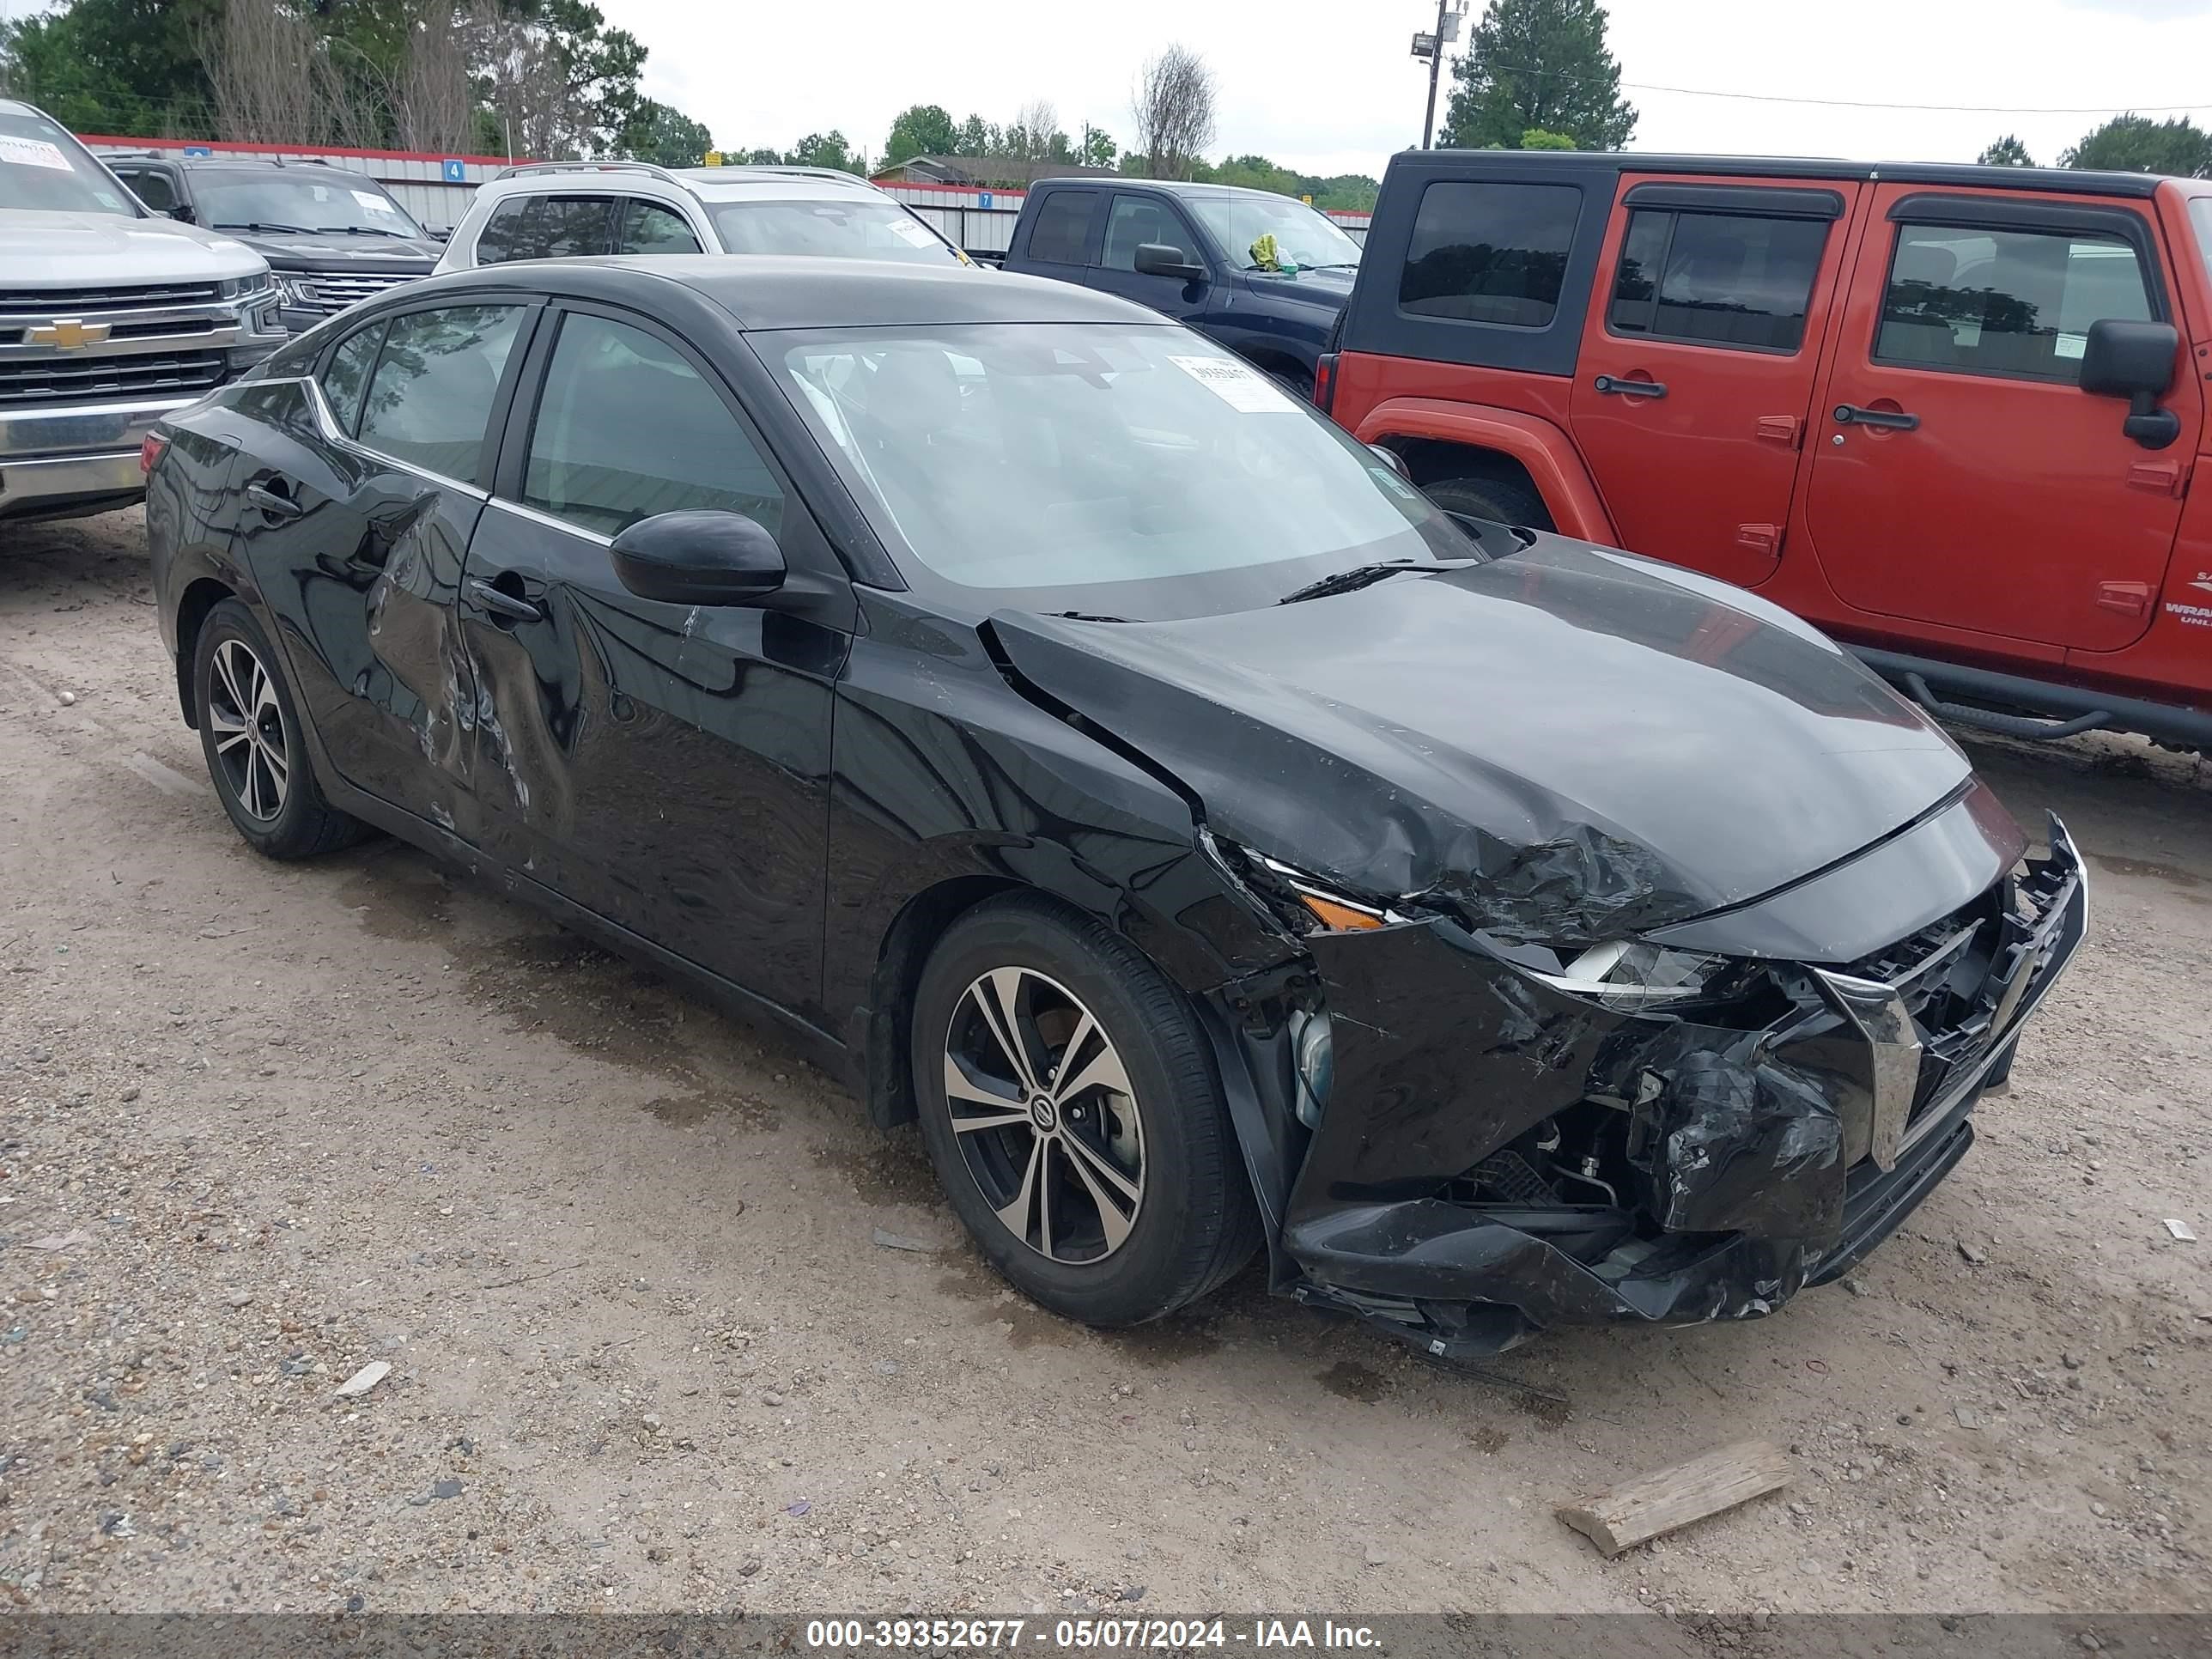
(359, 490)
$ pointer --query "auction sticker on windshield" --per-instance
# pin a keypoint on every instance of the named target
(32, 153)
(1239, 385)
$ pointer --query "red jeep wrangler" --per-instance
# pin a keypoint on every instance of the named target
(1949, 414)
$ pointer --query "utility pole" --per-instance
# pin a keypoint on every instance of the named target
(1436, 72)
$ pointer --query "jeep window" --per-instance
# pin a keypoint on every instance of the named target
(2010, 302)
(547, 227)
(849, 227)
(1716, 279)
(2200, 221)
(43, 167)
(649, 228)
(1062, 230)
(304, 198)
(1304, 239)
(1490, 252)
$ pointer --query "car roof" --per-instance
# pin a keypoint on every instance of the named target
(1954, 175)
(705, 183)
(1173, 187)
(764, 291)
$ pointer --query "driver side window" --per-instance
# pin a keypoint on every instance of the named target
(1137, 220)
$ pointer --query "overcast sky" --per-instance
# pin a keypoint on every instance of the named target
(1328, 86)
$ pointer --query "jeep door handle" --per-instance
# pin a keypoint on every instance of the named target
(1613, 384)
(503, 607)
(274, 503)
(1896, 420)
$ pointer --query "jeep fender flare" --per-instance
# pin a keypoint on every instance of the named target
(1544, 451)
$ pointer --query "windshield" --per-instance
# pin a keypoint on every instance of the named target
(844, 229)
(1125, 470)
(1302, 237)
(298, 201)
(43, 166)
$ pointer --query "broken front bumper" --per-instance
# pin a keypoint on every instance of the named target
(1764, 1158)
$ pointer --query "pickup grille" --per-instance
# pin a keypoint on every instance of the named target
(41, 303)
(336, 290)
(60, 380)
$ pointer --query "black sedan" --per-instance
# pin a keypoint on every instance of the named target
(1086, 749)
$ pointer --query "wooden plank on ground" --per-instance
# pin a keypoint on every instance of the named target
(1640, 1510)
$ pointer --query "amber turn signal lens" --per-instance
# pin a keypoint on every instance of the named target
(1339, 917)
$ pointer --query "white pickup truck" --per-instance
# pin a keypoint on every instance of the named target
(109, 318)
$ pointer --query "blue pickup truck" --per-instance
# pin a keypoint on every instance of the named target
(1199, 253)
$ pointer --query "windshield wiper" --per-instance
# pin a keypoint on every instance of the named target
(261, 226)
(1343, 581)
(1085, 616)
(367, 230)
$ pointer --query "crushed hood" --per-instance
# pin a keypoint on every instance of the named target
(1569, 745)
(79, 250)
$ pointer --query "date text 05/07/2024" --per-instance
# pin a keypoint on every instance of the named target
(936, 1635)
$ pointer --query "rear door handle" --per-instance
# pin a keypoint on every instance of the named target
(1896, 419)
(1619, 387)
(274, 503)
(504, 607)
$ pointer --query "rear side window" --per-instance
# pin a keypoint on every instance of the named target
(649, 228)
(1062, 230)
(1490, 252)
(347, 376)
(2009, 302)
(627, 429)
(1716, 278)
(434, 384)
(547, 227)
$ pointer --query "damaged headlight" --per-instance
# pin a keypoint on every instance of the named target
(1630, 976)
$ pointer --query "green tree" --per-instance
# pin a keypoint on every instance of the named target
(1099, 150)
(1537, 138)
(2007, 152)
(2135, 143)
(665, 136)
(826, 149)
(126, 67)
(921, 129)
(1541, 64)
(975, 136)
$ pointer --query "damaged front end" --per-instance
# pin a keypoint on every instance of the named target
(1506, 1136)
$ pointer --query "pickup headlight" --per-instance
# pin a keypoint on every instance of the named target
(1630, 976)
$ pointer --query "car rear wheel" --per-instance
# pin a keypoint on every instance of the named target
(1069, 1103)
(255, 748)
(1499, 500)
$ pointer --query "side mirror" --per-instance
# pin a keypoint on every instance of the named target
(699, 558)
(1158, 259)
(1394, 460)
(440, 233)
(2134, 360)
(183, 215)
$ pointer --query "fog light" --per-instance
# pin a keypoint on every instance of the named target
(1313, 1045)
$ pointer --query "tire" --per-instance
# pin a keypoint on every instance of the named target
(1181, 1219)
(1499, 500)
(256, 745)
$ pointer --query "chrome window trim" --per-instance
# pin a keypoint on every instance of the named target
(536, 516)
(327, 422)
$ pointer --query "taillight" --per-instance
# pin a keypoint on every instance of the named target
(1325, 382)
(150, 451)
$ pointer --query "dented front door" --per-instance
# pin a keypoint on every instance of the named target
(355, 515)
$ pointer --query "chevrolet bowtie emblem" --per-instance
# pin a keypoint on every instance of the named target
(67, 334)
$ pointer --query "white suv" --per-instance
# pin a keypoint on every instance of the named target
(570, 209)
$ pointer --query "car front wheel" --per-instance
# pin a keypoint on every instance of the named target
(1070, 1104)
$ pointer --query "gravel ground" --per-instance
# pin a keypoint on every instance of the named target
(260, 1125)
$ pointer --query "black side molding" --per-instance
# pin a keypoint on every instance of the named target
(2058, 710)
(1766, 202)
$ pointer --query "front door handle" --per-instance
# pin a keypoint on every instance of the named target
(1895, 419)
(1618, 387)
(503, 606)
(274, 502)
